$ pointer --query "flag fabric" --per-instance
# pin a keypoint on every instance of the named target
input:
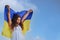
(6, 30)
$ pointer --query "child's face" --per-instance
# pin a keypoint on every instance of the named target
(18, 20)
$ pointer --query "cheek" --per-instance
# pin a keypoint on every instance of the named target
(18, 21)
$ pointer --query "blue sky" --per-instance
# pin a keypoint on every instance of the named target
(45, 22)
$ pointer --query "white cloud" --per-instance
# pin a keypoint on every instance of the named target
(13, 4)
(37, 38)
(17, 6)
(34, 38)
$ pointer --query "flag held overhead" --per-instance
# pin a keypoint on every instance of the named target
(6, 30)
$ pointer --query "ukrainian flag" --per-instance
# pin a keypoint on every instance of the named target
(6, 30)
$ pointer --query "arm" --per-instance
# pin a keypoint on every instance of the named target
(25, 16)
(8, 14)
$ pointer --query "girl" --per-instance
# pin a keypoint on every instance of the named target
(16, 24)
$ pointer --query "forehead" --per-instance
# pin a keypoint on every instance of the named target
(19, 18)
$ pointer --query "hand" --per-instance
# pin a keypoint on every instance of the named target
(8, 7)
(30, 10)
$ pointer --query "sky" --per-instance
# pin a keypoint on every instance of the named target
(45, 22)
